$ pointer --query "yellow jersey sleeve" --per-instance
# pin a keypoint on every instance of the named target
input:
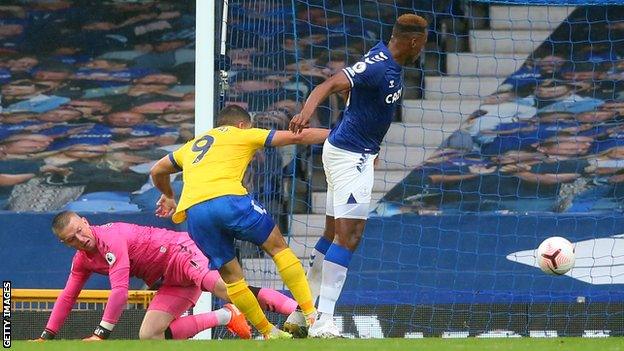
(177, 157)
(258, 137)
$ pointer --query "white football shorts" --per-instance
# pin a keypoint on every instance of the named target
(350, 177)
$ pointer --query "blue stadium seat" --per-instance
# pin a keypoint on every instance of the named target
(101, 206)
(120, 196)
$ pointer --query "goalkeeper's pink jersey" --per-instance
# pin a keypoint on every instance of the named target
(122, 250)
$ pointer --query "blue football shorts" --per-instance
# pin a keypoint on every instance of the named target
(215, 223)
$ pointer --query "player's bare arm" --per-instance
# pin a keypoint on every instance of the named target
(338, 82)
(160, 173)
(307, 136)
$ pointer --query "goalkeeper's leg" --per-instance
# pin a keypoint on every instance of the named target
(163, 321)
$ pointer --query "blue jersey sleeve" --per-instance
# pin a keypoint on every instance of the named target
(367, 75)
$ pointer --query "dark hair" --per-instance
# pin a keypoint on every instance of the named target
(232, 115)
(60, 221)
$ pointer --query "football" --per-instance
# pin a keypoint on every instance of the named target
(555, 255)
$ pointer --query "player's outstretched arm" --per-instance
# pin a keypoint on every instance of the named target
(160, 172)
(65, 302)
(114, 307)
(119, 276)
(307, 136)
(338, 82)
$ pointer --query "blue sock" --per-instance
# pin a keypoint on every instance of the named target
(339, 255)
(322, 245)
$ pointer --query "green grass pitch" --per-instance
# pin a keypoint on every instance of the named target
(433, 344)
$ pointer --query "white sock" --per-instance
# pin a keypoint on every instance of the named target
(324, 316)
(315, 273)
(223, 316)
(334, 276)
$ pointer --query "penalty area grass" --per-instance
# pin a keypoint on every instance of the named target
(436, 344)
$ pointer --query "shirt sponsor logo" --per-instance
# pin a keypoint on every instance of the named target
(392, 98)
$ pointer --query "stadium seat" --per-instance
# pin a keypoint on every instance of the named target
(101, 206)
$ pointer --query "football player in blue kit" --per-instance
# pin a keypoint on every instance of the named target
(375, 86)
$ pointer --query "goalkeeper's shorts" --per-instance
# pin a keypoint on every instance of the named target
(175, 300)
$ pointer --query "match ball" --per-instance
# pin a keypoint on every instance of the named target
(555, 255)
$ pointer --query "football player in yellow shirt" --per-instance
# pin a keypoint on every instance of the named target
(218, 208)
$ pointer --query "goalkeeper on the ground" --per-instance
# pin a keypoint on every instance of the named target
(155, 255)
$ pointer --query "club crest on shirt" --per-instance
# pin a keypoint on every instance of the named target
(359, 67)
(110, 258)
